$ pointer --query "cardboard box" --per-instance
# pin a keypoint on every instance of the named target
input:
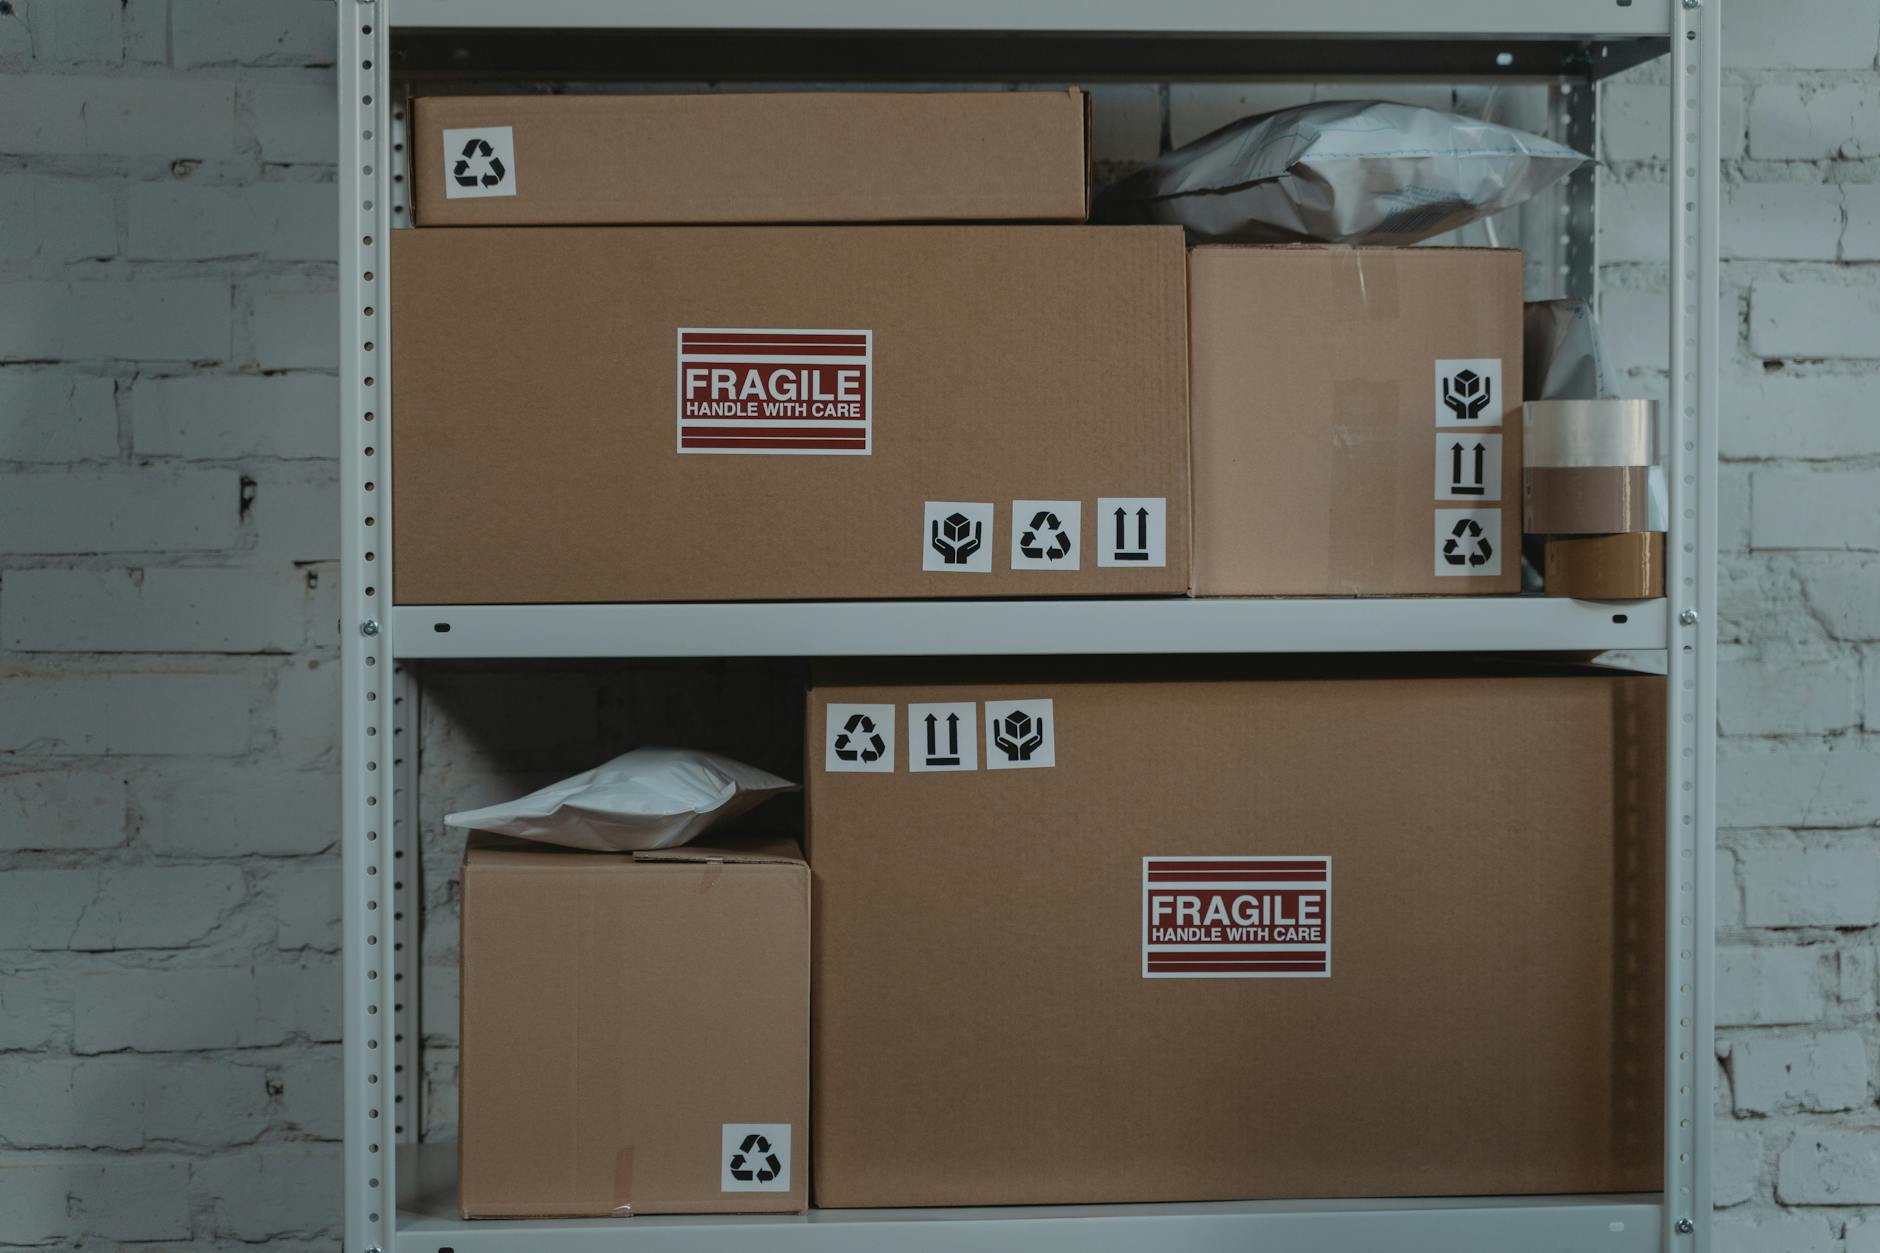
(1630, 566)
(635, 1031)
(1458, 881)
(961, 156)
(1357, 421)
(589, 414)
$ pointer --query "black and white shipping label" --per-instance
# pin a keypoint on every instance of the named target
(479, 161)
(1468, 392)
(1468, 465)
(1468, 542)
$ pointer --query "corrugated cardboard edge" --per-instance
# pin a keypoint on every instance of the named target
(753, 850)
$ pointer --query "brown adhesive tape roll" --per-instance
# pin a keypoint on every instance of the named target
(1606, 567)
(1586, 500)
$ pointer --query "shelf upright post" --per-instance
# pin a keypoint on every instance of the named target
(1689, 439)
(368, 708)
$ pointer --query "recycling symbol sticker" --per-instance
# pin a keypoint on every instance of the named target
(1468, 542)
(859, 739)
(1468, 392)
(1045, 534)
(755, 1157)
(479, 161)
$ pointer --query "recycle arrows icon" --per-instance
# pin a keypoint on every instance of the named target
(1034, 548)
(472, 150)
(1480, 551)
(846, 747)
(745, 1165)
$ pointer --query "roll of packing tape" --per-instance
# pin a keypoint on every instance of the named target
(1589, 432)
(1606, 567)
(1586, 500)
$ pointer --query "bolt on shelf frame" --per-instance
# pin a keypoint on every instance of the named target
(1570, 43)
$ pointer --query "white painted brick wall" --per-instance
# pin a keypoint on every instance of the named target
(168, 533)
(169, 988)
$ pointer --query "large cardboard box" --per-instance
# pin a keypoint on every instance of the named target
(1177, 939)
(1357, 421)
(635, 1030)
(790, 413)
(960, 156)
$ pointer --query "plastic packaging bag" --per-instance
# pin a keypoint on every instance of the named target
(648, 798)
(1566, 357)
(1342, 172)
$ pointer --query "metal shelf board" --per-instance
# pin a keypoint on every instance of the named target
(1027, 627)
(617, 54)
(1367, 19)
(428, 1223)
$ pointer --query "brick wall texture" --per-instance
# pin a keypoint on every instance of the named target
(169, 799)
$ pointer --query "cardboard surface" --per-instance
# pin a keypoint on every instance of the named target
(618, 1015)
(1586, 500)
(990, 1027)
(750, 157)
(1606, 567)
(1005, 372)
(1323, 448)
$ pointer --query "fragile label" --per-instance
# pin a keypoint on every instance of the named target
(754, 1157)
(858, 739)
(1468, 465)
(1236, 917)
(479, 161)
(1468, 391)
(792, 392)
(1468, 542)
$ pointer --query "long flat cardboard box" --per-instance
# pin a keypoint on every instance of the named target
(763, 157)
(790, 413)
(1200, 935)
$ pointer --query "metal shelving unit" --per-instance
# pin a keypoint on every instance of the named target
(400, 1198)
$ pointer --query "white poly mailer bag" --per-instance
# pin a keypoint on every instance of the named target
(1340, 172)
(648, 798)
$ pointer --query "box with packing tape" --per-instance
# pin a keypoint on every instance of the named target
(791, 413)
(1356, 421)
(1212, 934)
(756, 157)
(635, 1030)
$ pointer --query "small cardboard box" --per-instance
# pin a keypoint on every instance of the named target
(600, 414)
(635, 1031)
(960, 156)
(1357, 421)
(1202, 935)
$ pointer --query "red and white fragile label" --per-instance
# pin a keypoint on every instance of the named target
(750, 390)
(1236, 917)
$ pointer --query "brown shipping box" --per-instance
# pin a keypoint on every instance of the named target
(1180, 939)
(635, 1031)
(1357, 421)
(751, 157)
(610, 414)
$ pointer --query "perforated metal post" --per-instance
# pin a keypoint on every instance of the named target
(369, 762)
(1689, 441)
(1578, 123)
